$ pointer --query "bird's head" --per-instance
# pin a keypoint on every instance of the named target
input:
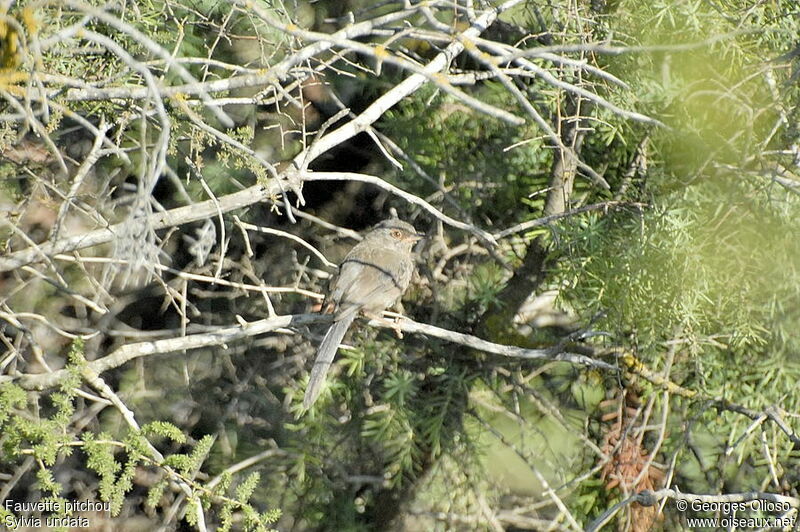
(396, 232)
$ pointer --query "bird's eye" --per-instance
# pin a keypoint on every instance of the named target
(396, 233)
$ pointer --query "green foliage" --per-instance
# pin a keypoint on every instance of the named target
(155, 493)
(400, 387)
(390, 429)
(114, 461)
(699, 278)
(11, 397)
(186, 464)
(252, 519)
(692, 266)
(193, 505)
(704, 270)
(483, 285)
(116, 475)
(442, 135)
(47, 483)
(64, 399)
(164, 429)
(100, 458)
(45, 436)
(245, 490)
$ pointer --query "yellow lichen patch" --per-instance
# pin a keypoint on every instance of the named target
(380, 52)
(9, 78)
(30, 20)
(440, 79)
(468, 44)
(9, 47)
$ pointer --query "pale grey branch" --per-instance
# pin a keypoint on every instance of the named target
(225, 335)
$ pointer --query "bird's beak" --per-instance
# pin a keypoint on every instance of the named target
(416, 237)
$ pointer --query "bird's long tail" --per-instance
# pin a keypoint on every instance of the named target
(325, 353)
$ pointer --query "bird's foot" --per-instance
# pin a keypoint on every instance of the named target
(393, 323)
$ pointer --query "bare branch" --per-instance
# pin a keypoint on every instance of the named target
(485, 237)
(227, 335)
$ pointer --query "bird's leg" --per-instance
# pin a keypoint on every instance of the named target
(398, 314)
(377, 316)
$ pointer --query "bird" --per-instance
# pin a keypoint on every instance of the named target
(371, 278)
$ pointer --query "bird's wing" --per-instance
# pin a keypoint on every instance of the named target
(371, 278)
